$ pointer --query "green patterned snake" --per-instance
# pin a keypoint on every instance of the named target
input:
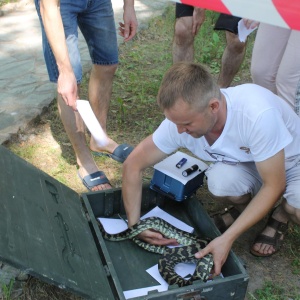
(170, 256)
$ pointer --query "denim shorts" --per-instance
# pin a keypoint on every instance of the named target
(95, 19)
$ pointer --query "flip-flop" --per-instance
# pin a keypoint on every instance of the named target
(120, 154)
(94, 179)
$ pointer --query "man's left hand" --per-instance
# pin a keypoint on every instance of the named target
(219, 248)
(128, 29)
(156, 238)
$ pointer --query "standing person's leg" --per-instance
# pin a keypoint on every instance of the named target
(75, 130)
(98, 27)
(183, 40)
(100, 90)
(234, 51)
(71, 120)
(269, 47)
(288, 75)
(232, 59)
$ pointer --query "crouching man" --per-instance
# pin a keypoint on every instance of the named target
(250, 136)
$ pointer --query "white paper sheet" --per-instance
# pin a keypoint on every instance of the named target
(168, 166)
(158, 212)
(243, 31)
(91, 122)
(153, 271)
(114, 226)
(182, 269)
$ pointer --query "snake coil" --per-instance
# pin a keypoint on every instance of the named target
(170, 256)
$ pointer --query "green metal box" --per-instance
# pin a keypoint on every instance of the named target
(51, 232)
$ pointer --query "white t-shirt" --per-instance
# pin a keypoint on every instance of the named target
(259, 124)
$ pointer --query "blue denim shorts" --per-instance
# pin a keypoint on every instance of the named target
(95, 19)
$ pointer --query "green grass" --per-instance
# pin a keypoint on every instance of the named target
(29, 153)
(271, 291)
(294, 247)
(7, 290)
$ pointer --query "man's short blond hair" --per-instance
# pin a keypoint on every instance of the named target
(190, 82)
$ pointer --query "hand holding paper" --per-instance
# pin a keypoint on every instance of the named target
(243, 31)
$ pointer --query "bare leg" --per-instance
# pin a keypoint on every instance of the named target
(75, 130)
(183, 41)
(100, 89)
(231, 60)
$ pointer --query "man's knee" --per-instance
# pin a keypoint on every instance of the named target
(225, 180)
(183, 34)
(227, 186)
(104, 69)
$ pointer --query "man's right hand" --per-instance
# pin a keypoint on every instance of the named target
(67, 88)
(250, 24)
(66, 82)
(198, 19)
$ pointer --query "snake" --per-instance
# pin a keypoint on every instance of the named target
(170, 257)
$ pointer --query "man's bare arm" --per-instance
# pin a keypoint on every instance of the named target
(146, 154)
(128, 29)
(52, 21)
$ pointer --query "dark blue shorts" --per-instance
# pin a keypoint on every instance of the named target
(95, 19)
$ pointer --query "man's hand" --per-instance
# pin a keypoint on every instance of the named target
(219, 248)
(250, 24)
(67, 88)
(128, 29)
(66, 82)
(198, 19)
(156, 238)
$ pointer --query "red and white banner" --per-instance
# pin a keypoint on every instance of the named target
(283, 13)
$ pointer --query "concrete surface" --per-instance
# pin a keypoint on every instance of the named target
(24, 84)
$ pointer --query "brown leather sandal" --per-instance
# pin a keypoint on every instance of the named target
(275, 241)
(219, 220)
